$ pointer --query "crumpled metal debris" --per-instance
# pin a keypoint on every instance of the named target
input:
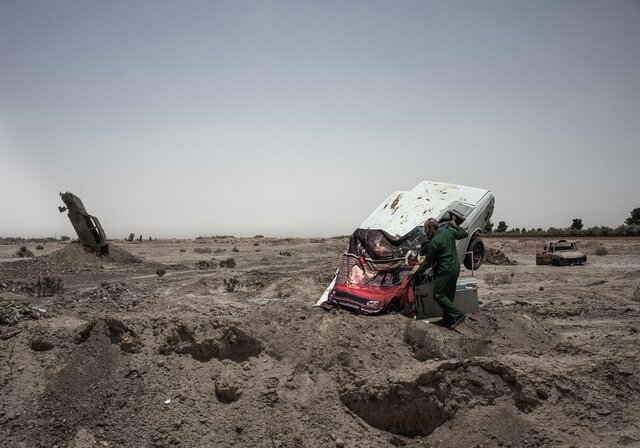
(11, 314)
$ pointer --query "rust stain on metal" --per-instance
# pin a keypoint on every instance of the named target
(394, 204)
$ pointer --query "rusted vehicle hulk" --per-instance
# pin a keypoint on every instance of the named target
(560, 253)
(87, 226)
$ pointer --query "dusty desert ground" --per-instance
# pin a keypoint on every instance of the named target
(123, 358)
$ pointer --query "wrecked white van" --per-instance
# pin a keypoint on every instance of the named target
(375, 272)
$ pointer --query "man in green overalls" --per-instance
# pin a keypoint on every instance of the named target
(441, 252)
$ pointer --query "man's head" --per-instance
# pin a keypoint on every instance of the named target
(431, 226)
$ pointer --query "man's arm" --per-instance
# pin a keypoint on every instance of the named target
(458, 232)
(429, 253)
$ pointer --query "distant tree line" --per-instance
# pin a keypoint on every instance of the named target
(215, 237)
(631, 227)
(20, 240)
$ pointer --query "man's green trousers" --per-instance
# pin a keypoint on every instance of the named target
(444, 291)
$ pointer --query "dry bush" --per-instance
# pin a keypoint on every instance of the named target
(228, 263)
(183, 250)
(601, 251)
(230, 284)
(24, 252)
(498, 278)
(202, 250)
(49, 286)
(235, 249)
(39, 247)
(204, 265)
(160, 272)
(285, 253)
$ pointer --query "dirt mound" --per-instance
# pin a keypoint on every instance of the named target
(74, 255)
(497, 257)
(72, 259)
(430, 342)
(87, 390)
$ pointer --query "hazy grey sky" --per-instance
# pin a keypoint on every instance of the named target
(298, 118)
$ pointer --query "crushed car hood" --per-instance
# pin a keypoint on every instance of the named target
(403, 210)
(569, 254)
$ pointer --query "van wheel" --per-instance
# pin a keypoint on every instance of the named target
(476, 247)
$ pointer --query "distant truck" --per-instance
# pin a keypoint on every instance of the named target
(560, 253)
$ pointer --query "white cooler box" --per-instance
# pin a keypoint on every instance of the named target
(466, 298)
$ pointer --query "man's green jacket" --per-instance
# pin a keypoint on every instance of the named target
(441, 251)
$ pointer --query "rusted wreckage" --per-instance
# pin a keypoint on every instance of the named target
(376, 273)
(86, 226)
(560, 253)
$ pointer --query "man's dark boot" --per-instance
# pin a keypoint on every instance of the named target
(458, 321)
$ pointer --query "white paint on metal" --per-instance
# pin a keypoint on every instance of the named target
(404, 210)
(325, 295)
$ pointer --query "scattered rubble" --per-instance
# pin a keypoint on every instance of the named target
(12, 313)
(497, 257)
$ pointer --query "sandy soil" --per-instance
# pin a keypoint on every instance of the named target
(125, 358)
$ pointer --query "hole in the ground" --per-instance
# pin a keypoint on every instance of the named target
(84, 332)
(227, 389)
(417, 408)
(120, 334)
(41, 344)
(238, 345)
(226, 343)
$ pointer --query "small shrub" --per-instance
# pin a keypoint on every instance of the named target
(219, 250)
(256, 244)
(49, 286)
(160, 272)
(228, 263)
(39, 247)
(230, 284)
(64, 238)
(601, 251)
(183, 250)
(104, 284)
(501, 278)
(285, 253)
(202, 250)
(24, 252)
(259, 236)
(204, 265)
(235, 249)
